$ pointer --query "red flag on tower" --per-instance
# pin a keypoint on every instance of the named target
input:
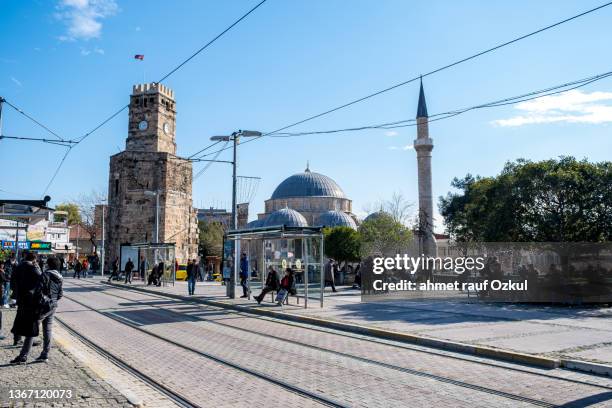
(139, 57)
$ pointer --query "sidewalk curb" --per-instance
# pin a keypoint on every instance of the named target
(480, 351)
(594, 368)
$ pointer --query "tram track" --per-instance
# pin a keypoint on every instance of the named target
(435, 377)
(283, 384)
(173, 396)
(364, 338)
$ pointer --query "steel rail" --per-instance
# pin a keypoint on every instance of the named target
(365, 338)
(290, 387)
(418, 373)
(175, 397)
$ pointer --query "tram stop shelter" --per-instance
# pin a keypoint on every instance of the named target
(157, 257)
(282, 247)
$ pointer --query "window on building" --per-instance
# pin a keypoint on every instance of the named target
(116, 187)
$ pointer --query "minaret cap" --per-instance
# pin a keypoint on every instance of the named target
(422, 109)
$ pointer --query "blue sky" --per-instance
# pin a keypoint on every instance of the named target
(70, 64)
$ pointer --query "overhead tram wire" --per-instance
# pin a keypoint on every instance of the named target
(435, 71)
(57, 169)
(554, 90)
(37, 139)
(171, 72)
(34, 120)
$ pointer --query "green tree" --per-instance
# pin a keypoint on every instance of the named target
(563, 200)
(211, 238)
(384, 235)
(342, 244)
(73, 215)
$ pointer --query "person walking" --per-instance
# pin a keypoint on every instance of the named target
(55, 291)
(191, 276)
(28, 281)
(329, 274)
(143, 268)
(5, 280)
(197, 271)
(78, 267)
(114, 270)
(62, 265)
(129, 267)
(272, 284)
(244, 274)
(85, 268)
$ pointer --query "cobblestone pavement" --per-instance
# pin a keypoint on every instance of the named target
(561, 332)
(345, 368)
(62, 372)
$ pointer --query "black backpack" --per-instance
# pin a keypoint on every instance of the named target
(43, 301)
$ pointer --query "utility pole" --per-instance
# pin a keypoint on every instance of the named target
(1, 102)
(235, 138)
(103, 249)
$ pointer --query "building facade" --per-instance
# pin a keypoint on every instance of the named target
(316, 197)
(150, 187)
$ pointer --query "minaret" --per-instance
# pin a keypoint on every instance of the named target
(423, 146)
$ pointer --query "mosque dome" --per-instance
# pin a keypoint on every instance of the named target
(376, 215)
(337, 219)
(255, 224)
(286, 217)
(308, 184)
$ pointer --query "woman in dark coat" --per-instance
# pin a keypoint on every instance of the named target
(28, 279)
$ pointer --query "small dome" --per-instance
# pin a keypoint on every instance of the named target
(286, 217)
(337, 219)
(255, 224)
(308, 184)
(376, 215)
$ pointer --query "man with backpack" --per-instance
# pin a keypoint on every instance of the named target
(38, 294)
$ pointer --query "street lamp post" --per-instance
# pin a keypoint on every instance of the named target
(235, 138)
(103, 248)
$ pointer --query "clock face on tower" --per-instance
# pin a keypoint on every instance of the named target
(143, 125)
(166, 128)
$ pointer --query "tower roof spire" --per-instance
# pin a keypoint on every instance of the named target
(422, 108)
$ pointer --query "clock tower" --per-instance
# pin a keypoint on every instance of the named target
(152, 119)
(149, 186)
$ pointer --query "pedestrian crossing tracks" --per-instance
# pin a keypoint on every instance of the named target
(204, 356)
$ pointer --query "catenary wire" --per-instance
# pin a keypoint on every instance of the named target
(553, 90)
(30, 117)
(108, 119)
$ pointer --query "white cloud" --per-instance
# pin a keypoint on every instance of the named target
(85, 52)
(83, 17)
(573, 106)
(407, 147)
(16, 81)
(391, 133)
